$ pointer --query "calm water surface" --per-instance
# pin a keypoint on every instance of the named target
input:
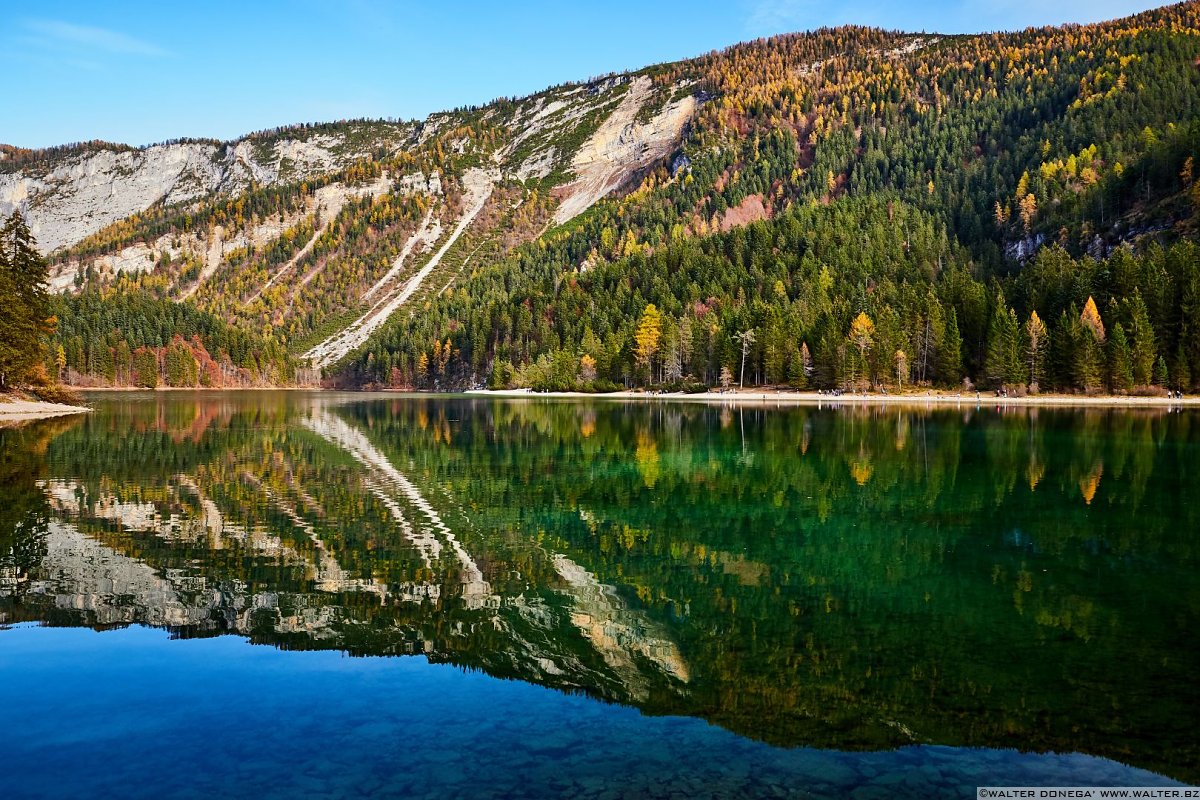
(318, 595)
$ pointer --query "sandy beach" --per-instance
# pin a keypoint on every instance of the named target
(12, 410)
(735, 396)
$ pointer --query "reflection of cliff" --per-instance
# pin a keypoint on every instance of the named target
(623, 638)
(382, 479)
(177, 554)
(84, 581)
(618, 633)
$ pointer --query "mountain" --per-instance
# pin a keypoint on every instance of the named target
(872, 206)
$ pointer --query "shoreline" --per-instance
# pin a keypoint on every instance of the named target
(777, 397)
(27, 410)
(734, 396)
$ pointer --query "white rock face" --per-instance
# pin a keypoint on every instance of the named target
(86, 192)
(622, 146)
(140, 257)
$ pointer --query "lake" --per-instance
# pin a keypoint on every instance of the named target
(290, 594)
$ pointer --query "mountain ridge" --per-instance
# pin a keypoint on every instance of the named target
(1006, 145)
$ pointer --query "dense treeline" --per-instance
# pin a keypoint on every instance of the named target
(858, 292)
(127, 337)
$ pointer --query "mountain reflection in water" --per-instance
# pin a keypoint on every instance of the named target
(845, 579)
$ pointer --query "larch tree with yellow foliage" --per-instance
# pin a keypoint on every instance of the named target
(647, 338)
(1089, 348)
(1036, 341)
(862, 336)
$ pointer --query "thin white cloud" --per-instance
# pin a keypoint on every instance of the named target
(92, 38)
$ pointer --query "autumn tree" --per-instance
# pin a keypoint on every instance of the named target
(647, 337)
(862, 336)
(587, 368)
(1028, 210)
(1089, 347)
(1036, 343)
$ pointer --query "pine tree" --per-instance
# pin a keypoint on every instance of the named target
(803, 368)
(949, 355)
(1161, 377)
(1120, 368)
(1188, 358)
(1143, 350)
(145, 368)
(25, 302)
(1003, 364)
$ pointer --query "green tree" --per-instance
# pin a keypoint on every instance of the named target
(1003, 364)
(24, 297)
(1161, 376)
(145, 368)
(1120, 367)
(1143, 349)
(949, 355)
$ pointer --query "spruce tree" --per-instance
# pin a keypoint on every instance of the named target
(1003, 364)
(1143, 349)
(1120, 368)
(949, 355)
(1161, 377)
(25, 300)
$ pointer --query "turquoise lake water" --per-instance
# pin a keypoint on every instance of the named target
(320, 595)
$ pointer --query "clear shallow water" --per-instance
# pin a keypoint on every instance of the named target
(598, 597)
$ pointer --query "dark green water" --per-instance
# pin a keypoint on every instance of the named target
(569, 599)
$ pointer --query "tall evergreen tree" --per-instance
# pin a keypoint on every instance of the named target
(949, 355)
(1143, 349)
(24, 297)
(1003, 364)
(1120, 367)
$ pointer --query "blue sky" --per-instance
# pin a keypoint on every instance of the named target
(141, 72)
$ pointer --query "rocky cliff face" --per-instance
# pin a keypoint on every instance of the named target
(83, 192)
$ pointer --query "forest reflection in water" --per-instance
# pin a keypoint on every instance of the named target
(848, 578)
